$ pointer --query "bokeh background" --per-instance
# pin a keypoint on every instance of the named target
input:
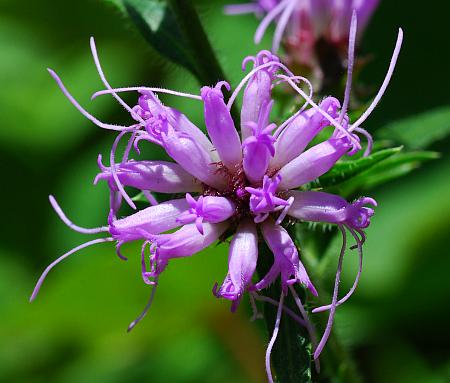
(396, 325)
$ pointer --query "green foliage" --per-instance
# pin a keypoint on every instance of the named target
(345, 170)
(157, 24)
(389, 169)
(76, 330)
(421, 130)
(350, 176)
(140, 197)
(174, 30)
(394, 167)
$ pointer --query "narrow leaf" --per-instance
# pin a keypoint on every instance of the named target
(173, 29)
(386, 170)
(421, 130)
(207, 67)
(345, 170)
(157, 24)
(395, 167)
(140, 197)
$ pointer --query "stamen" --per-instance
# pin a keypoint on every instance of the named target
(114, 173)
(126, 153)
(256, 314)
(224, 84)
(115, 200)
(362, 234)
(261, 218)
(322, 112)
(287, 310)
(240, 9)
(308, 324)
(281, 25)
(286, 208)
(274, 338)
(106, 83)
(83, 111)
(145, 273)
(146, 308)
(333, 306)
(119, 251)
(351, 59)
(70, 224)
(143, 89)
(297, 79)
(385, 84)
(288, 121)
(146, 137)
(369, 140)
(271, 15)
(250, 74)
(355, 283)
(248, 59)
(150, 197)
(61, 258)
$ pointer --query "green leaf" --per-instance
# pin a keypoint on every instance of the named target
(389, 169)
(173, 29)
(395, 167)
(345, 170)
(157, 24)
(421, 130)
(207, 67)
(140, 197)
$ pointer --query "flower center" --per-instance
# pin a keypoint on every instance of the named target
(251, 202)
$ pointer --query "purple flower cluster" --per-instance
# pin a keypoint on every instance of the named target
(239, 185)
(300, 24)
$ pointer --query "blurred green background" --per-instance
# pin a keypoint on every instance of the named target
(396, 325)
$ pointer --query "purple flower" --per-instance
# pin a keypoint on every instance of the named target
(182, 243)
(237, 187)
(286, 263)
(300, 24)
(242, 258)
(157, 176)
(317, 206)
(207, 209)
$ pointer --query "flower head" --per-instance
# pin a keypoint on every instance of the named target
(305, 26)
(241, 184)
